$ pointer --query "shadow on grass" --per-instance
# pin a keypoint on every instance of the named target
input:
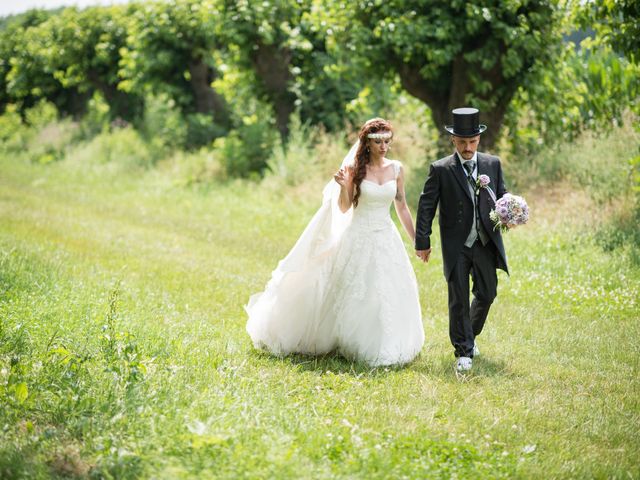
(331, 362)
(443, 367)
(440, 367)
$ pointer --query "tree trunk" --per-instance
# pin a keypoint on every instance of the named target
(456, 86)
(207, 100)
(272, 67)
(75, 103)
(437, 102)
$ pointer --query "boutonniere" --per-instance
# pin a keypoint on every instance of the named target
(483, 181)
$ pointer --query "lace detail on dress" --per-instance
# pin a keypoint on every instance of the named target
(374, 296)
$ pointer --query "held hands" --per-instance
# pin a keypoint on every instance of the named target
(342, 176)
(423, 255)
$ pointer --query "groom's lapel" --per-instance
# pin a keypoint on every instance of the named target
(482, 164)
(458, 172)
(483, 169)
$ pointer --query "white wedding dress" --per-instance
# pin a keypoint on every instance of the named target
(354, 292)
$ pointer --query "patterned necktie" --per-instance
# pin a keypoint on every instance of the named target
(470, 166)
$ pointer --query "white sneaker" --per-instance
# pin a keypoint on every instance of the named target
(476, 350)
(463, 364)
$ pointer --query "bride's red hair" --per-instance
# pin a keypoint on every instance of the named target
(359, 170)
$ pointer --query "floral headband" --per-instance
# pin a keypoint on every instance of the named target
(383, 135)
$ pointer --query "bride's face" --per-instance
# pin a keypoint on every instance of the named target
(379, 146)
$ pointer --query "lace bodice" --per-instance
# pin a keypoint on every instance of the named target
(372, 212)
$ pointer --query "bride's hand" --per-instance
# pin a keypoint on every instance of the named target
(342, 176)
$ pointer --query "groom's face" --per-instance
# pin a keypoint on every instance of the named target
(466, 146)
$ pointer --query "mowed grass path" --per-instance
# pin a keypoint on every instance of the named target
(123, 352)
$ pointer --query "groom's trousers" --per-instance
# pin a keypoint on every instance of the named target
(466, 321)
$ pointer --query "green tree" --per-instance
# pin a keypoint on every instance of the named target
(66, 58)
(85, 52)
(262, 37)
(28, 78)
(172, 50)
(455, 53)
(323, 84)
(11, 36)
(617, 22)
(293, 66)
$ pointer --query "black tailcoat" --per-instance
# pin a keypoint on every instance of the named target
(447, 187)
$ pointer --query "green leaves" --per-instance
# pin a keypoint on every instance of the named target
(616, 22)
(457, 54)
(68, 57)
(21, 392)
(217, 61)
(588, 89)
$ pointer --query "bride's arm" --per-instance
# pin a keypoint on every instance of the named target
(402, 209)
(343, 178)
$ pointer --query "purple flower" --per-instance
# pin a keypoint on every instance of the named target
(511, 210)
(483, 181)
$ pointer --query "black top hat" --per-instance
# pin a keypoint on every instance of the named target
(465, 123)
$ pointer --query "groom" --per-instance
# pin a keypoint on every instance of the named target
(470, 245)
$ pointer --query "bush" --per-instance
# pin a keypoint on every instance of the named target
(593, 161)
(294, 161)
(123, 147)
(624, 230)
(163, 125)
(49, 137)
(14, 135)
(200, 167)
(41, 114)
(96, 119)
(245, 151)
(589, 90)
(51, 142)
(41, 137)
(201, 130)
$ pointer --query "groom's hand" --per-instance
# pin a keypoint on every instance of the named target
(423, 255)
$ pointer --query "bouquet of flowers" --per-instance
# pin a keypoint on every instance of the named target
(510, 211)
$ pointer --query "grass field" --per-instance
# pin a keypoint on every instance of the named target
(123, 352)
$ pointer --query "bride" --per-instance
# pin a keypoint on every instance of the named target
(347, 284)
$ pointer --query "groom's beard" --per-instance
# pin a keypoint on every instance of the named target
(466, 154)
